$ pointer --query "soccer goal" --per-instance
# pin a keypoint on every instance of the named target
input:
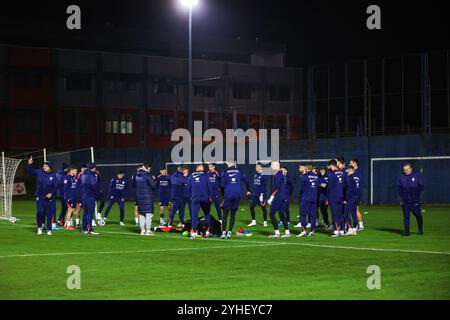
(8, 171)
(384, 173)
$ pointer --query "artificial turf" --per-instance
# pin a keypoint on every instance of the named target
(120, 264)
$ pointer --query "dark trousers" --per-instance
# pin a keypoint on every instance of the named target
(280, 207)
(45, 208)
(417, 212)
(336, 213)
(88, 214)
(324, 211)
(120, 202)
(178, 204)
(309, 208)
(350, 218)
(216, 201)
(62, 213)
(205, 205)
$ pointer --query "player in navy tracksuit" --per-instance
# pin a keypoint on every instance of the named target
(200, 188)
(214, 178)
(45, 194)
(410, 186)
(144, 184)
(70, 195)
(102, 196)
(352, 199)
(60, 175)
(259, 195)
(354, 162)
(299, 178)
(308, 201)
(231, 183)
(90, 193)
(78, 195)
(163, 185)
(117, 193)
(323, 206)
(278, 200)
(177, 185)
(335, 196)
(187, 196)
(290, 189)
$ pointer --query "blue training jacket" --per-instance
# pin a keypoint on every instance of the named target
(60, 176)
(259, 184)
(177, 183)
(89, 186)
(231, 182)
(214, 179)
(70, 187)
(45, 182)
(335, 187)
(410, 187)
(199, 186)
(310, 187)
(118, 188)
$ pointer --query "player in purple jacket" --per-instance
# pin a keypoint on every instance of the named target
(214, 178)
(163, 184)
(352, 199)
(60, 175)
(323, 205)
(278, 200)
(308, 201)
(45, 194)
(177, 186)
(70, 195)
(289, 190)
(231, 182)
(354, 162)
(299, 179)
(117, 193)
(410, 186)
(90, 193)
(259, 195)
(200, 187)
(335, 194)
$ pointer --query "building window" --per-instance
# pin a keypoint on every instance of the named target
(28, 81)
(279, 93)
(119, 123)
(78, 81)
(244, 91)
(28, 120)
(205, 91)
(75, 122)
(121, 86)
(161, 125)
(164, 86)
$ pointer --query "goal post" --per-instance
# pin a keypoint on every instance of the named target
(8, 171)
(433, 168)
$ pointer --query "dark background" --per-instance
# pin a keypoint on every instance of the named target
(314, 32)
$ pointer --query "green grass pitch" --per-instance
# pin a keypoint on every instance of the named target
(120, 264)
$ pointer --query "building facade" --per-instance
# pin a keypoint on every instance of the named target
(67, 99)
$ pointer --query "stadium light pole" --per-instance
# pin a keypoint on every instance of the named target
(190, 5)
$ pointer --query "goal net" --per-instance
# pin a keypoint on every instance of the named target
(8, 167)
(384, 174)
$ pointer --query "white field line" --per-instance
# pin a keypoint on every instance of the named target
(136, 251)
(257, 243)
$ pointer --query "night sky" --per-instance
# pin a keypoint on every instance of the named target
(314, 32)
